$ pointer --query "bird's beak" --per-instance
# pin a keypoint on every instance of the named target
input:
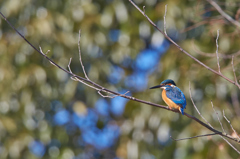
(158, 86)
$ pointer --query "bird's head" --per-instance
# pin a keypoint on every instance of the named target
(168, 83)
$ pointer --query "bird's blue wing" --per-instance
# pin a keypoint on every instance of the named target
(177, 96)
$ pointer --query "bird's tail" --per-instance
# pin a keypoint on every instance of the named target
(181, 110)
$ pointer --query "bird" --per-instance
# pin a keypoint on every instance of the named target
(172, 95)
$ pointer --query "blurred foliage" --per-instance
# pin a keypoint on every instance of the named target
(44, 114)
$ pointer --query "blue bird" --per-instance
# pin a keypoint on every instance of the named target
(172, 95)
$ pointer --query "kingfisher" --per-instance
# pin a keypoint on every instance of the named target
(172, 95)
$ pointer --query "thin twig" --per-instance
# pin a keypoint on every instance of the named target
(218, 117)
(230, 125)
(80, 55)
(165, 30)
(194, 137)
(99, 92)
(219, 70)
(45, 54)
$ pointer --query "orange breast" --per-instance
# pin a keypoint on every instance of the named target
(168, 101)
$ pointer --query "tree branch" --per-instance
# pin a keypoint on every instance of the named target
(179, 47)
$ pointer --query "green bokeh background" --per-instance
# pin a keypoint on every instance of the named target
(29, 83)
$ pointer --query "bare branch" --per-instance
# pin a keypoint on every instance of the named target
(219, 70)
(99, 92)
(45, 54)
(69, 63)
(218, 117)
(42, 52)
(230, 125)
(144, 9)
(165, 30)
(179, 47)
(193, 137)
(225, 15)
